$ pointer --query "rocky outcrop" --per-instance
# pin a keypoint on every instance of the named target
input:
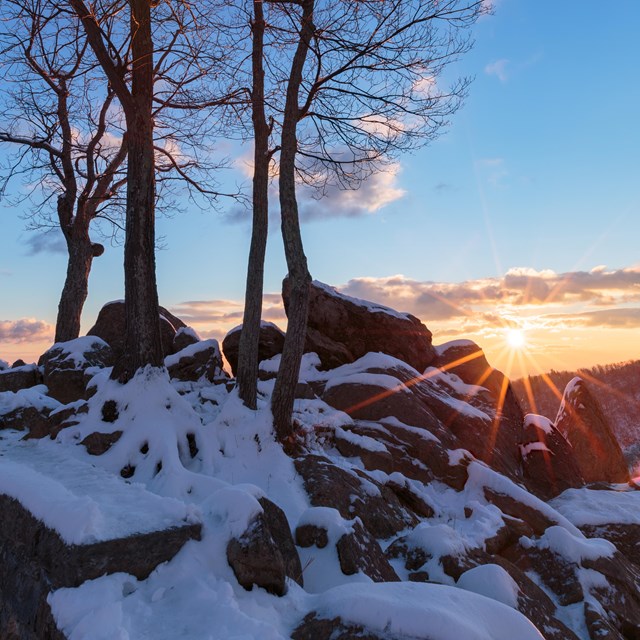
(342, 329)
(110, 326)
(581, 421)
(65, 366)
(270, 344)
(548, 462)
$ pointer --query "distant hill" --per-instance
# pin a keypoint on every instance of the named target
(616, 386)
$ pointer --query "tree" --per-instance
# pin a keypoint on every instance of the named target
(65, 121)
(59, 122)
(362, 88)
(143, 344)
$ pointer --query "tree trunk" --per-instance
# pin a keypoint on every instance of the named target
(143, 344)
(248, 361)
(76, 287)
(299, 278)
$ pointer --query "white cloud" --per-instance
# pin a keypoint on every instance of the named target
(498, 68)
(25, 330)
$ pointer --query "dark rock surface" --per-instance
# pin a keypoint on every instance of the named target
(270, 344)
(342, 329)
(581, 421)
(314, 627)
(548, 462)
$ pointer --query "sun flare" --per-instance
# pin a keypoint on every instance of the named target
(516, 339)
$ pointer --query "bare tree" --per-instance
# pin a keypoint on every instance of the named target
(58, 121)
(362, 87)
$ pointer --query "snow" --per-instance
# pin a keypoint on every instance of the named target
(3, 365)
(188, 331)
(569, 546)
(382, 380)
(492, 581)
(454, 382)
(437, 612)
(589, 507)
(526, 449)
(32, 397)
(539, 422)
(84, 504)
(75, 350)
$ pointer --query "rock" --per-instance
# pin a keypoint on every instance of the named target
(98, 443)
(29, 418)
(314, 627)
(625, 536)
(309, 535)
(342, 329)
(353, 495)
(581, 421)
(548, 463)
(359, 551)
(23, 377)
(184, 337)
(256, 559)
(537, 520)
(278, 526)
(198, 360)
(270, 344)
(110, 326)
(65, 364)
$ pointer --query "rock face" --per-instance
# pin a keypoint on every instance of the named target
(548, 462)
(581, 421)
(270, 343)
(110, 326)
(342, 329)
(66, 363)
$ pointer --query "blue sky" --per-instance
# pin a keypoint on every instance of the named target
(538, 170)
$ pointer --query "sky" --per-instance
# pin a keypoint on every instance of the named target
(517, 228)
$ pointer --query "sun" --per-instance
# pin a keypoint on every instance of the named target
(516, 338)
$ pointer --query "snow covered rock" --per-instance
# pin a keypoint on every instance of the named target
(65, 366)
(198, 360)
(353, 494)
(27, 409)
(270, 343)
(581, 421)
(548, 462)
(18, 378)
(110, 326)
(342, 329)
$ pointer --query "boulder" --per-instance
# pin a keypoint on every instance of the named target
(256, 559)
(315, 627)
(22, 377)
(270, 343)
(342, 329)
(198, 360)
(581, 421)
(110, 326)
(548, 463)
(184, 337)
(66, 363)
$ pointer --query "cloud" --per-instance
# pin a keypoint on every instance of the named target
(519, 287)
(25, 330)
(48, 242)
(607, 318)
(498, 68)
(374, 193)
